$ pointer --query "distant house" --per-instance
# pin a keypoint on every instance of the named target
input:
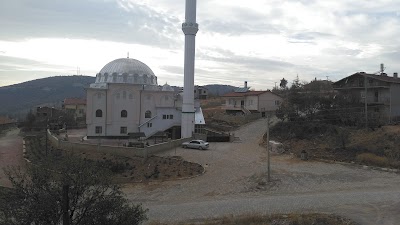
(245, 101)
(6, 122)
(200, 92)
(45, 112)
(75, 106)
(382, 92)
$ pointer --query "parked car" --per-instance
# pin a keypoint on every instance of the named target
(199, 144)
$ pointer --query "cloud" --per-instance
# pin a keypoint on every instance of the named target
(87, 19)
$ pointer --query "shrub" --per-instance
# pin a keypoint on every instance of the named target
(372, 159)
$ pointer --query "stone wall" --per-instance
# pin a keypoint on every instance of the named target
(79, 148)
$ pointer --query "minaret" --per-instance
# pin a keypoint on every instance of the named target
(189, 28)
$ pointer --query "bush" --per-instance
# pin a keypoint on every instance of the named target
(372, 159)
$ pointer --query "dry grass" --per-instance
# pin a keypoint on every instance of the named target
(372, 159)
(290, 219)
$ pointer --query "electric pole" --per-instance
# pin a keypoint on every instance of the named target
(365, 102)
(268, 155)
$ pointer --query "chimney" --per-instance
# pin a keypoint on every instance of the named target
(245, 84)
(395, 75)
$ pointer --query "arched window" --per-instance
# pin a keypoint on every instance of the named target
(99, 113)
(135, 78)
(124, 113)
(145, 79)
(125, 77)
(105, 77)
(124, 94)
(147, 114)
(114, 77)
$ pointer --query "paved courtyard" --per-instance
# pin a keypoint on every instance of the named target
(234, 183)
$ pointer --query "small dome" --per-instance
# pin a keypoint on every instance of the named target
(166, 87)
(126, 70)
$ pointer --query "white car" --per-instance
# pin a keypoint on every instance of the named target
(198, 144)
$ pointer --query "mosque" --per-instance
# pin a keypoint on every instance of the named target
(126, 99)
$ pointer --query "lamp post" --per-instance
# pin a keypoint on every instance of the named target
(268, 155)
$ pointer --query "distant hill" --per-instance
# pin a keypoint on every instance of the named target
(219, 89)
(18, 99)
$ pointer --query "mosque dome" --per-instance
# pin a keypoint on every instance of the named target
(167, 87)
(126, 70)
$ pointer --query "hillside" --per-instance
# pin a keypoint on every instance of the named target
(19, 98)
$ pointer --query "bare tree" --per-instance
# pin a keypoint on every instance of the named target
(67, 191)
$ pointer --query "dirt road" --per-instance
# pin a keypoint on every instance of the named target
(234, 183)
(10, 153)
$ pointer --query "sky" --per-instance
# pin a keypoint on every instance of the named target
(259, 41)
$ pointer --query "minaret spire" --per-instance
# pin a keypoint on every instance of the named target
(189, 28)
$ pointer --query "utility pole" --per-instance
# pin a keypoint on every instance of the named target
(65, 204)
(365, 102)
(268, 155)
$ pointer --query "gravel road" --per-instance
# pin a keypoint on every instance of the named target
(10, 153)
(234, 183)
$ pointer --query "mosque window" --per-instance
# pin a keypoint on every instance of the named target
(99, 113)
(124, 114)
(147, 114)
(105, 77)
(99, 95)
(114, 78)
(135, 78)
(145, 79)
(124, 94)
(125, 78)
(152, 79)
(123, 130)
(99, 130)
(149, 125)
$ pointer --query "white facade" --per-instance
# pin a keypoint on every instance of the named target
(126, 99)
(252, 101)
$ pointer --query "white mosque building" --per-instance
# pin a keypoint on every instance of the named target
(126, 99)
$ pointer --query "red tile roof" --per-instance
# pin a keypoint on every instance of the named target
(74, 101)
(242, 94)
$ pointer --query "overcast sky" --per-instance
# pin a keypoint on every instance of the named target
(260, 41)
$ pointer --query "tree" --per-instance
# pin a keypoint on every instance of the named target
(283, 83)
(67, 191)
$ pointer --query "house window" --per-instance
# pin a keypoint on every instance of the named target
(99, 113)
(204, 92)
(147, 114)
(164, 117)
(149, 125)
(194, 91)
(99, 129)
(124, 114)
(123, 130)
(171, 117)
